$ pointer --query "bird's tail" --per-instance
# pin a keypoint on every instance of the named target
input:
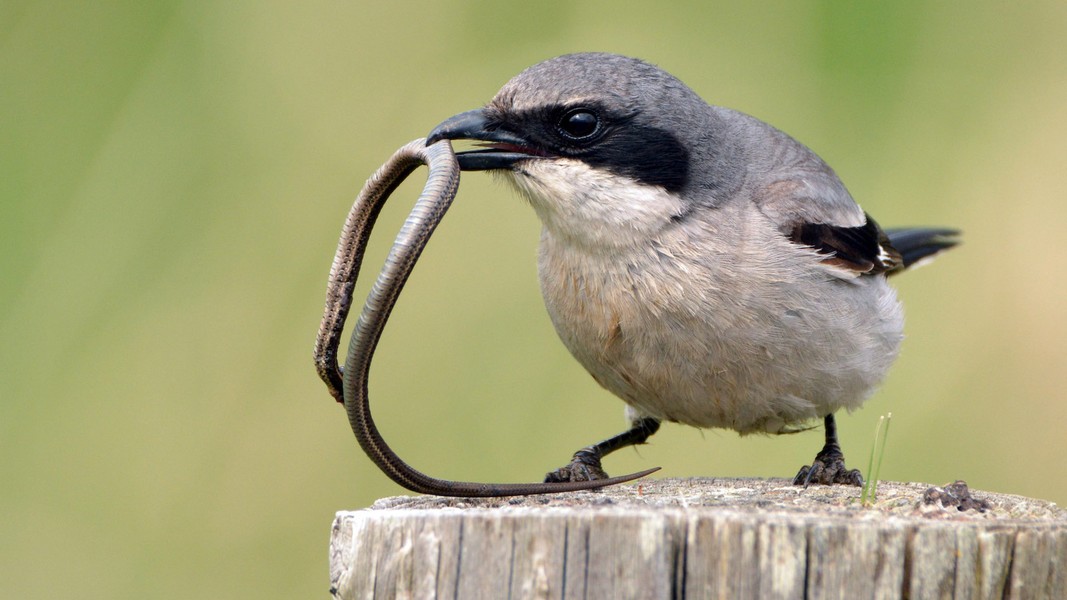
(918, 245)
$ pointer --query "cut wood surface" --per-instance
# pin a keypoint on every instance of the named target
(702, 538)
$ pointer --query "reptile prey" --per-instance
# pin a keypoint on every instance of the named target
(350, 385)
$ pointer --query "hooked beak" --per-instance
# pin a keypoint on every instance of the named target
(502, 148)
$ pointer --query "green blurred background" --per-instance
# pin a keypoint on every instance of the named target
(173, 177)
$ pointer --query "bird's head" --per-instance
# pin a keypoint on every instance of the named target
(599, 143)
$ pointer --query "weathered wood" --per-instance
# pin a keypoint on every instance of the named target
(701, 538)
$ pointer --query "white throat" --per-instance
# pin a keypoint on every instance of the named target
(593, 207)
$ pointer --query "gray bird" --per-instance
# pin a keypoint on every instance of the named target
(703, 266)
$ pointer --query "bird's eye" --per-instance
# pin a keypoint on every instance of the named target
(579, 124)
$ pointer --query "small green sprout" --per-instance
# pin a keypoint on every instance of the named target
(870, 486)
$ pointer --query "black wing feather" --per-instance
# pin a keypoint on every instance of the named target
(865, 249)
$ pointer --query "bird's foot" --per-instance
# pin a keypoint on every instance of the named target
(828, 468)
(584, 466)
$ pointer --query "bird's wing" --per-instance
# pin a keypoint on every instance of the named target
(862, 250)
(805, 199)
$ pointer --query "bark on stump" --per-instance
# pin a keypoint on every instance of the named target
(702, 538)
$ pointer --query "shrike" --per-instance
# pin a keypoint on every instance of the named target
(703, 266)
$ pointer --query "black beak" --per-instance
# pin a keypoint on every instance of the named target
(503, 150)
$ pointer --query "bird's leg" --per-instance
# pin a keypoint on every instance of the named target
(585, 465)
(829, 465)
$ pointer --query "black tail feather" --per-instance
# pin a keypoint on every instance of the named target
(916, 244)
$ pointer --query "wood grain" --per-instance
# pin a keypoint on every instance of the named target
(701, 538)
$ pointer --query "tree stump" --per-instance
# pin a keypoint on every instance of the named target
(704, 538)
